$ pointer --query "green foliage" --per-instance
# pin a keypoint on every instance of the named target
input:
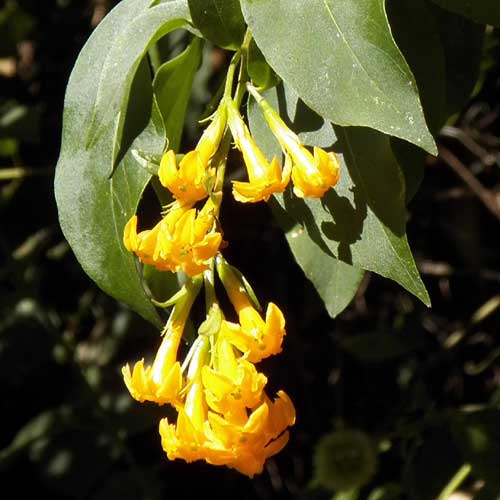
(220, 21)
(93, 207)
(462, 44)
(365, 211)
(259, 70)
(362, 79)
(481, 11)
(373, 81)
(335, 281)
(172, 88)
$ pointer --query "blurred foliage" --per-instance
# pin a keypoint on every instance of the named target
(423, 384)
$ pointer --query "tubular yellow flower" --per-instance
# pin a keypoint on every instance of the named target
(221, 424)
(232, 384)
(188, 438)
(257, 338)
(162, 381)
(183, 239)
(201, 434)
(312, 176)
(262, 435)
(189, 180)
(264, 178)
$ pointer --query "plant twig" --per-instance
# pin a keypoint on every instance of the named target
(489, 200)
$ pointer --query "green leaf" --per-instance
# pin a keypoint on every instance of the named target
(261, 74)
(172, 88)
(411, 160)
(462, 42)
(129, 40)
(94, 208)
(137, 112)
(335, 281)
(361, 221)
(220, 21)
(412, 20)
(342, 60)
(482, 11)
(477, 434)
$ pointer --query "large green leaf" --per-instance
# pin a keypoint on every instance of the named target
(130, 42)
(342, 60)
(361, 221)
(172, 87)
(412, 20)
(335, 281)
(94, 208)
(220, 21)
(462, 42)
(482, 11)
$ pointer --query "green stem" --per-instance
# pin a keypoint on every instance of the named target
(180, 312)
(220, 161)
(243, 75)
(209, 280)
(455, 482)
(228, 89)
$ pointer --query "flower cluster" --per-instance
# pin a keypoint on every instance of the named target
(224, 415)
(186, 238)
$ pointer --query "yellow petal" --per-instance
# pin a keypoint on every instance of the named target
(130, 234)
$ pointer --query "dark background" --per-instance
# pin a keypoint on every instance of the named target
(388, 366)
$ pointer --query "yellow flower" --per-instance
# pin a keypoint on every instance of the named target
(255, 337)
(232, 384)
(312, 176)
(189, 180)
(201, 434)
(188, 438)
(183, 239)
(264, 178)
(262, 435)
(162, 381)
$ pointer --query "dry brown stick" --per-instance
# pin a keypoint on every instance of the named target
(489, 200)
